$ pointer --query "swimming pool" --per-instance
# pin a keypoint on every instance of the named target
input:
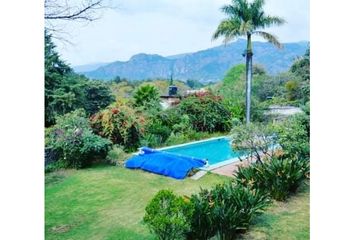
(217, 151)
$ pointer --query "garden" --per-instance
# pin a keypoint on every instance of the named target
(90, 195)
(93, 126)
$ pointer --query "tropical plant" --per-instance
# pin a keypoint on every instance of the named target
(246, 18)
(74, 142)
(121, 124)
(279, 177)
(225, 211)
(168, 216)
(147, 96)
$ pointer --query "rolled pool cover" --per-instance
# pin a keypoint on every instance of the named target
(164, 163)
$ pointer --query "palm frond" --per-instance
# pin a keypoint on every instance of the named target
(272, 20)
(269, 37)
(229, 10)
(257, 5)
(229, 28)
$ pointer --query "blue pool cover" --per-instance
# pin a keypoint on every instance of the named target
(164, 163)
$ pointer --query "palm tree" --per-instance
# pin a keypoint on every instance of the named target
(246, 19)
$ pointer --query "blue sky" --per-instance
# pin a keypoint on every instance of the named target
(166, 27)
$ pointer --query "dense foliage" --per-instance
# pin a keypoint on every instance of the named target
(168, 216)
(194, 84)
(121, 124)
(74, 142)
(147, 96)
(278, 177)
(232, 88)
(278, 174)
(294, 136)
(286, 88)
(66, 91)
(301, 68)
(206, 113)
(254, 140)
(54, 69)
(225, 211)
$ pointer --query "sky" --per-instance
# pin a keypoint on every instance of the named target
(166, 27)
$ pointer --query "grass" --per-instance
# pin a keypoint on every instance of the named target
(107, 202)
(284, 220)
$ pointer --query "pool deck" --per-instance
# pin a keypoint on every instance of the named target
(232, 168)
(229, 169)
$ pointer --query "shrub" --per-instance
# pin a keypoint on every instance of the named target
(168, 216)
(292, 89)
(254, 140)
(225, 211)
(177, 138)
(121, 124)
(74, 142)
(157, 131)
(206, 113)
(294, 137)
(277, 177)
(117, 155)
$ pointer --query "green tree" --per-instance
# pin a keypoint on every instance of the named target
(301, 68)
(66, 91)
(232, 88)
(147, 96)
(54, 71)
(246, 19)
(194, 84)
(98, 96)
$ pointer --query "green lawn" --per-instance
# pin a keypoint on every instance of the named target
(284, 220)
(108, 203)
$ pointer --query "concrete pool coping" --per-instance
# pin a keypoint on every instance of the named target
(194, 142)
(185, 144)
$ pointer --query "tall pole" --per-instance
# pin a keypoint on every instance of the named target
(248, 78)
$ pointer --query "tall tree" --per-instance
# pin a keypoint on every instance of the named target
(246, 19)
(66, 91)
(54, 72)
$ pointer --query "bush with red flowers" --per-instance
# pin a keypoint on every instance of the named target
(119, 123)
(206, 113)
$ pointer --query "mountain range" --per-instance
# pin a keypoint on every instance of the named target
(208, 65)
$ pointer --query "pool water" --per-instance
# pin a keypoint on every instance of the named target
(215, 151)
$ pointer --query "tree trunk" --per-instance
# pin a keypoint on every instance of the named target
(248, 78)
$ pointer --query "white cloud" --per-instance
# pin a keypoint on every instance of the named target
(167, 27)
